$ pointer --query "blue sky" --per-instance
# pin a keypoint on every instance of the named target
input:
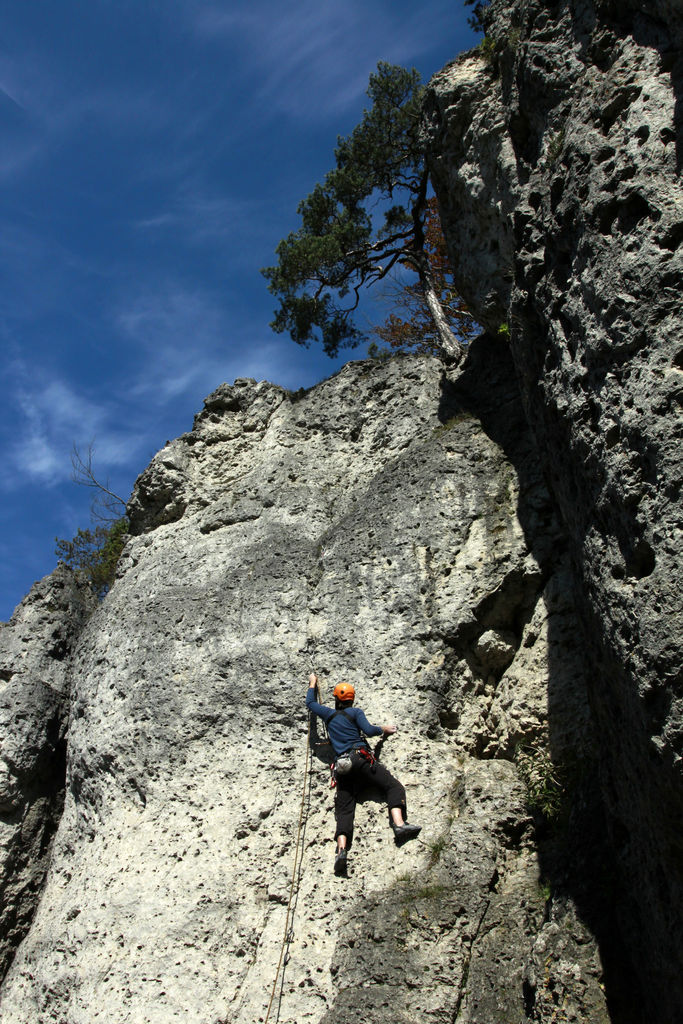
(152, 154)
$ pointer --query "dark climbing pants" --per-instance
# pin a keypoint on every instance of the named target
(364, 776)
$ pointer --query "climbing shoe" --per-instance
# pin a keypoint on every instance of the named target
(340, 863)
(403, 833)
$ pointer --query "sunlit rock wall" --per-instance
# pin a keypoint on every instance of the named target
(389, 527)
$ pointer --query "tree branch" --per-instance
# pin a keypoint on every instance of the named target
(82, 473)
(449, 343)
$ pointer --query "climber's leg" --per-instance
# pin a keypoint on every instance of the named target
(344, 812)
(395, 795)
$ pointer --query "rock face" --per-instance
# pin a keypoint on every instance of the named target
(35, 681)
(558, 148)
(487, 553)
(389, 527)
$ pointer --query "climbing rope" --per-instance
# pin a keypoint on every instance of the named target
(298, 858)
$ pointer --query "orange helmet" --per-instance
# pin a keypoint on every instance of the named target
(344, 691)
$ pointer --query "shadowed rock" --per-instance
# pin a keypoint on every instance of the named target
(572, 123)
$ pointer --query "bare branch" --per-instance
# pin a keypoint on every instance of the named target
(107, 506)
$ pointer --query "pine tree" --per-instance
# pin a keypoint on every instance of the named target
(95, 553)
(410, 326)
(380, 175)
(476, 21)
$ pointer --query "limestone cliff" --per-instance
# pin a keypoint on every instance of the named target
(556, 155)
(389, 527)
(36, 652)
(487, 552)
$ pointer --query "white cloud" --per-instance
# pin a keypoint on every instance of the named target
(201, 216)
(188, 345)
(35, 457)
(53, 108)
(179, 334)
(25, 81)
(52, 416)
(295, 53)
(311, 59)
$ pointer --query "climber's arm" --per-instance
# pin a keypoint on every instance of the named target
(312, 704)
(364, 725)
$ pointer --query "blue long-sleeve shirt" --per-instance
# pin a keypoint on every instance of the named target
(343, 735)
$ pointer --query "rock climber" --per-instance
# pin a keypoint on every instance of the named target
(356, 767)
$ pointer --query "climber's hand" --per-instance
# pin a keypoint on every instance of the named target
(312, 680)
(389, 730)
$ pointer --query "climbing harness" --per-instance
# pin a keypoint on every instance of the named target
(340, 711)
(343, 764)
(367, 754)
(288, 934)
